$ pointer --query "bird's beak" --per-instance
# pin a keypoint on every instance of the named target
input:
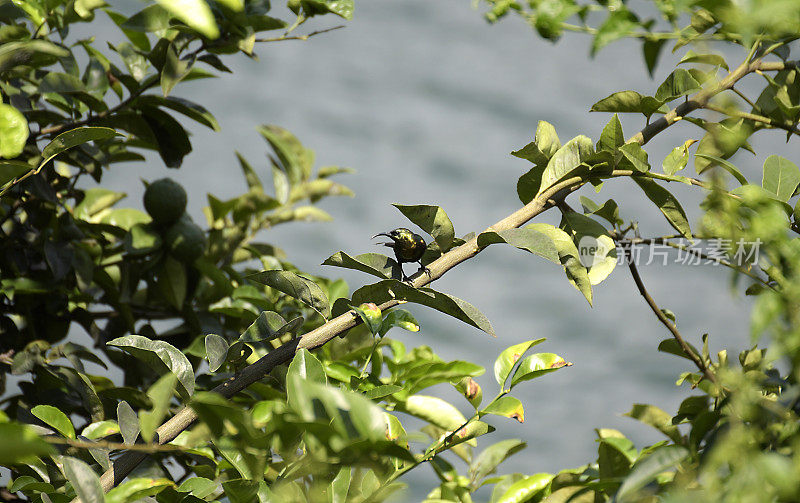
(382, 234)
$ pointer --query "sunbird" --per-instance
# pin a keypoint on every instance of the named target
(407, 246)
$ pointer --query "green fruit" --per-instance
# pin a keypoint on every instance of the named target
(185, 240)
(165, 201)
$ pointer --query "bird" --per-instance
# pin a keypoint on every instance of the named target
(407, 246)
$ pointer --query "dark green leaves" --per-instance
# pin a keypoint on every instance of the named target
(433, 220)
(679, 83)
(294, 285)
(629, 102)
(525, 239)
(160, 356)
(370, 263)
(667, 204)
(392, 289)
(72, 138)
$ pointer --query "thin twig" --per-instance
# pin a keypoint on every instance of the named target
(791, 128)
(698, 361)
(116, 446)
(299, 37)
(665, 240)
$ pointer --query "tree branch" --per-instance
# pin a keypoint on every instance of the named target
(698, 361)
(299, 37)
(321, 335)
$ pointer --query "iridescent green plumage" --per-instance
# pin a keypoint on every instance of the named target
(407, 246)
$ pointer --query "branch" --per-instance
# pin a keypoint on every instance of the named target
(666, 240)
(331, 329)
(698, 361)
(299, 37)
(791, 128)
(701, 99)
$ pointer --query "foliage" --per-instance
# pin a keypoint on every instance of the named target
(200, 320)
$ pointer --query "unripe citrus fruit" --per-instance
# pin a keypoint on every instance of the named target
(185, 240)
(165, 201)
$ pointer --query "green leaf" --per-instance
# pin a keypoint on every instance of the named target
(196, 112)
(706, 59)
(295, 160)
(21, 444)
(530, 182)
(83, 479)
(160, 356)
(781, 177)
(597, 250)
(160, 394)
(645, 470)
(198, 486)
(634, 156)
(433, 410)
(526, 489)
(676, 160)
(172, 282)
(174, 70)
(386, 290)
(679, 83)
(340, 486)
(490, 458)
(151, 18)
(398, 318)
(506, 406)
(667, 203)
(55, 418)
(128, 422)
(61, 83)
(727, 166)
(657, 418)
(629, 102)
(651, 50)
(268, 326)
(171, 138)
(576, 273)
(72, 138)
(370, 263)
(537, 365)
(216, 351)
(509, 357)
(13, 134)
(612, 137)
(565, 160)
(100, 429)
(619, 23)
(609, 211)
(382, 391)
(294, 285)
(308, 367)
(524, 239)
(10, 170)
(195, 13)
(370, 314)
(433, 220)
(142, 239)
(137, 489)
(96, 200)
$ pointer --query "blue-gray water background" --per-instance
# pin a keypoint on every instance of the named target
(426, 100)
